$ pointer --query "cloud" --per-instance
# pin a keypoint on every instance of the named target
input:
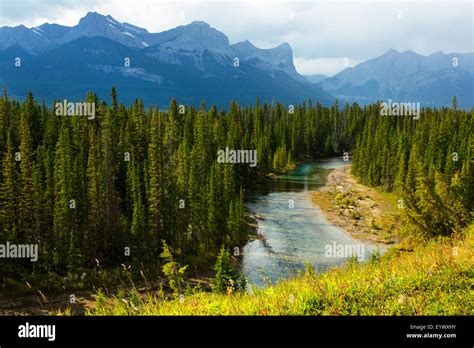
(319, 32)
(326, 66)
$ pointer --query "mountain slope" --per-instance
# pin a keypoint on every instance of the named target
(31, 40)
(407, 77)
(315, 78)
(98, 64)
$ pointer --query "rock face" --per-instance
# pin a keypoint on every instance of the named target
(278, 58)
(191, 63)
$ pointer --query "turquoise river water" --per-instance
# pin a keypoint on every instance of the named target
(292, 229)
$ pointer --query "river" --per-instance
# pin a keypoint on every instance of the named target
(292, 230)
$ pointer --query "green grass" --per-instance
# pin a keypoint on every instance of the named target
(434, 279)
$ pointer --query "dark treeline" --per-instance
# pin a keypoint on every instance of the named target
(87, 189)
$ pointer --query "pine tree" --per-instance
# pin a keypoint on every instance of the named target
(64, 201)
(139, 227)
(95, 199)
(8, 194)
(110, 195)
(26, 205)
(227, 279)
(155, 177)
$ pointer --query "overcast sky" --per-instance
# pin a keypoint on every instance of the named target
(321, 33)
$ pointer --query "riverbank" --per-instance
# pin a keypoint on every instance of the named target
(365, 213)
(432, 279)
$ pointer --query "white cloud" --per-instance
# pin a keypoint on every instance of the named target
(326, 66)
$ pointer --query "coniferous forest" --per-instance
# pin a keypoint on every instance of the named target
(113, 188)
(236, 172)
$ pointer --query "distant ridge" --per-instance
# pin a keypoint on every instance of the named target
(407, 76)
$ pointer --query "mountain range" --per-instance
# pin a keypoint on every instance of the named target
(195, 63)
(409, 77)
